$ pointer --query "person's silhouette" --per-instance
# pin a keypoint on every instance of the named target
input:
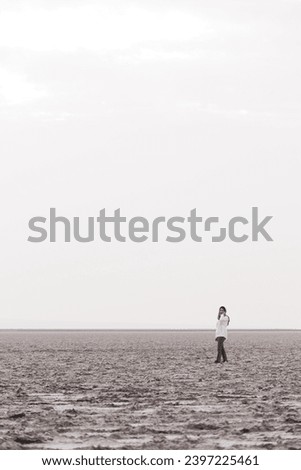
(223, 321)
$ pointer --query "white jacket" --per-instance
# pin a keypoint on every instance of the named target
(221, 326)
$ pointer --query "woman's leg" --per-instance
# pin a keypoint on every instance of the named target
(220, 341)
(224, 352)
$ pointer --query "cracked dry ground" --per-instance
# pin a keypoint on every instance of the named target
(149, 390)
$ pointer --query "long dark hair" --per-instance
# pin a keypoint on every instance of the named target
(224, 309)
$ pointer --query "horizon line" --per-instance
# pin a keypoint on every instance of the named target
(146, 329)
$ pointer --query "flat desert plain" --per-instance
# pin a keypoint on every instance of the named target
(149, 390)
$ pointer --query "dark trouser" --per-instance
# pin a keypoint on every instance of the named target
(220, 349)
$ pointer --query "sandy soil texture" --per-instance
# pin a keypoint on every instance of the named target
(149, 390)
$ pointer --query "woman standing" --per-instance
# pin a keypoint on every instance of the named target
(223, 321)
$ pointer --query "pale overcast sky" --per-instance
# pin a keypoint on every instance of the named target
(154, 107)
